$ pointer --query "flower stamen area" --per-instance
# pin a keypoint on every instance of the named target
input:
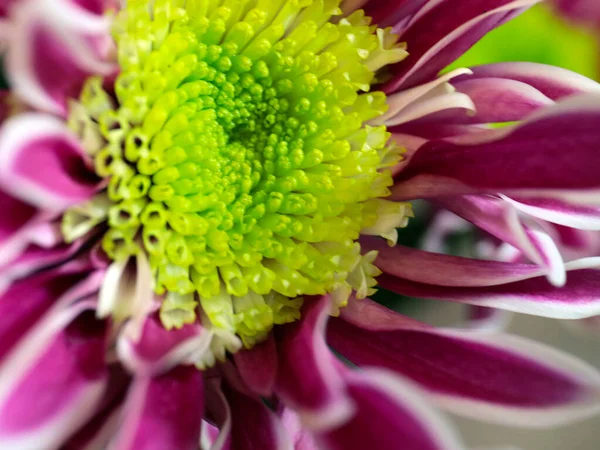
(237, 157)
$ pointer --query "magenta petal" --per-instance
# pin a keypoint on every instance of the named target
(494, 377)
(578, 298)
(443, 30)
(258, 367)
(55, 381)
(158, 350)
(445, 270)
(390, 415)
(53, 48)
(253, 425)
(42, 163)
(307, 379)
(556, 153)
(163, 412)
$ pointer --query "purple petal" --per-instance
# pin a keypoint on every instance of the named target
(253, 425)
(443, 31)
(258, 367)
(163, 412)
(307, 379)
(53, 49)
(578, 298)
(494, 377)
(446, 270)
(218, 410)
(42, 163)
(390, 411)
(555, 151)
(158, 350)
(54, 381)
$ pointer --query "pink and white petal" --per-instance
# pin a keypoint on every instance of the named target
(389, 411)
(553, 82)
(307, 379)
(384, 13)
(502, 220)
(443, 31)
(446, 270)
(53, 47)
(96, 435)
(555, 150)
(559, 212)
(42, 163)
(164, 412)
(487, 376)
(60, 369)
(577, 299)
(254, 426)
(157, 350)
(302, 439)
(257, 367)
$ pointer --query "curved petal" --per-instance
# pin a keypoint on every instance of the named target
(42, 163)
(254, 426)
(53, 47)
(578, 298)
(486, 376)
(163, 412)
(443, 32)
(258, 367)
(60, 370)
(307, 379)
(555, 150)
(389, 411)
(158, 350)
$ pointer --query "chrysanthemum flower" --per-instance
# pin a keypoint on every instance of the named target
(191, 188)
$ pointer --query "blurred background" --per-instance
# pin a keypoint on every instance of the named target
(540, 35)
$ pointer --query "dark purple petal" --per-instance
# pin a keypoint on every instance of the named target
(488, 376)
(581, 11)
(54, 381)
(253, 425)
(163, 412)
(258, 367)
(555, 153)
(444, 30)
(307, 379)
(390, 414)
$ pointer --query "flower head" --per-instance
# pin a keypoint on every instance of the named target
(191, 188)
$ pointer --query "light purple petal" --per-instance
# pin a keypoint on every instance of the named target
(302, 439)
(390, 415)
(158, 350)
(488, 376)
(42, 163)
(254, 426)
(553, 154)
(163, 412)
(307, 379)
(54, 381)
(53, 47)
(258, 367)
(443, 30)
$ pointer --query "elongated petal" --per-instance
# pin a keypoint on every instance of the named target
(390, 412)
(446, 270)
(163, 412)
(301, 438)
(254, 426)
(158, 350)
(444, 31)
(494, 377)
(307, 379)
(42, 163)
(258, 367)
(52, 48)
(54, 382)
(219, 410)
(578, 298)
(556, 153)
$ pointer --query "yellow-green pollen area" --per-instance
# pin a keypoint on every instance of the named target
(237, 156)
